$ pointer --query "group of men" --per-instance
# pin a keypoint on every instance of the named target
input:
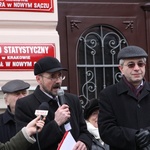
(49, 76)
(123, 121)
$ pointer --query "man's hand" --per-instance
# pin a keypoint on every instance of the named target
(31, 127)
(80, 146)
(142, 138)
(62, 114)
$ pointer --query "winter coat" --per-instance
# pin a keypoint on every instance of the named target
(123, 114)
(51, 134)
(7, 126)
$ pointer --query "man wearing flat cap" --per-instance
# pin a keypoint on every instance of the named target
(13, 90)
(124, 121)
(61, 117)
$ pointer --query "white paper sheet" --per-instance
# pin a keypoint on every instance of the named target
(67, 142)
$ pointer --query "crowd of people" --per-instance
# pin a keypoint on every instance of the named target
(117, 120)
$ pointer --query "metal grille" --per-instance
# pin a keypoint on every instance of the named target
(97, 64)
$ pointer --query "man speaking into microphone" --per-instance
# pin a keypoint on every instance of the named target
(65, 111)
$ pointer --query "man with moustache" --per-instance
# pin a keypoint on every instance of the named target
(48, 72)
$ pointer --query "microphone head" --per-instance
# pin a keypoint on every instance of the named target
(44, 106)
(60, 92)
(42, 110)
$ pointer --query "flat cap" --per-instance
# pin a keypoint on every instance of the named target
(91, 106)
(47, 64)
(14, 86)
(131, 52)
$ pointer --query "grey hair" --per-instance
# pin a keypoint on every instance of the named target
(5, 96)
(121, 61)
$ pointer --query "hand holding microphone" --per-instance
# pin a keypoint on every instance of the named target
(31, 127)
(63, 112)
(42, 111)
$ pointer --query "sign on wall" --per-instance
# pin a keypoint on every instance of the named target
(27, 5)
(23, 56)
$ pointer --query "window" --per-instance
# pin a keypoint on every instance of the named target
(97, 64)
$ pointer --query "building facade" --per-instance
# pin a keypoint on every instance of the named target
(87, 35)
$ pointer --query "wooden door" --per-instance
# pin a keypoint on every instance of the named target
(124, 20)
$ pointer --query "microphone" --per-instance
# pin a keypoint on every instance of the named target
(42, 110)
(62, 99)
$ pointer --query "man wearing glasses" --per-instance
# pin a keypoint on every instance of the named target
(124, 118)
(48, 72)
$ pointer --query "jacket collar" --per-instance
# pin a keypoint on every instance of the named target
(122, 87)
(41, 96)
(8, 116)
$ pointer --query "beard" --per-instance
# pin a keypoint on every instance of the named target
(48, 91)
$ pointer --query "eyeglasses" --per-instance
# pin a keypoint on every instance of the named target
(54, 78)
(132, 64)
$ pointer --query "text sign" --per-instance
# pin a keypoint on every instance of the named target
(27, 5)
(23, 56)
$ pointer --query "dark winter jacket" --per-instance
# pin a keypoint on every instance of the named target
(7, 126)
(123, 114)
(51, 134)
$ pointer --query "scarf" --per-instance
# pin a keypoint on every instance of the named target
(94, 131)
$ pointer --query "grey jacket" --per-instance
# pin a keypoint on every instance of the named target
(96, 145)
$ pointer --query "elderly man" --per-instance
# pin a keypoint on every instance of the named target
(13, 90)
(124, 121)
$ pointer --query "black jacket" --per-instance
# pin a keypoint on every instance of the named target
(122, 114)
(7, 126)
(51, 134)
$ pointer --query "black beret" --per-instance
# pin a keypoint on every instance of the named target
(91, 106)
(131, 52)
(14, 86)
(47, 64)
